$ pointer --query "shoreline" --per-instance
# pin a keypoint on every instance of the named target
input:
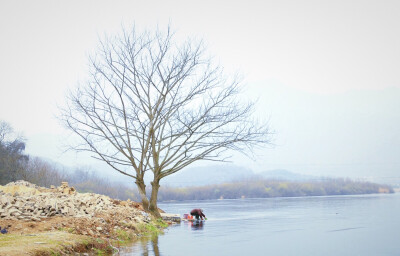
(58, 221)
(64, 241)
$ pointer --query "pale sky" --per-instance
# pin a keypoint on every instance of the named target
(325, 73)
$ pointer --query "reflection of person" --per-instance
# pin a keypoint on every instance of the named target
(197, 225)
(198, 213)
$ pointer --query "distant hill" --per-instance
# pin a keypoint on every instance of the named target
(217, 174)
(206, 175)
(281, 174)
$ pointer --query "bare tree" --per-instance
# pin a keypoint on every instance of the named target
(155, 105)
(5, 131)
(42, 173)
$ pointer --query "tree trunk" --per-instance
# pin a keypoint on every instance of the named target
(153, 209)
(142, 191)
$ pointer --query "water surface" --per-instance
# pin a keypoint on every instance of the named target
(333, 225)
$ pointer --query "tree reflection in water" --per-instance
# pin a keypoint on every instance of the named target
(148, 246)
(145, 246)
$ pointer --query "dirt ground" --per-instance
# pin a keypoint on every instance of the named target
(36, 244)
(102, 226)
(63, 235)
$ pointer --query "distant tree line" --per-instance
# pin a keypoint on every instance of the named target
(273, 188)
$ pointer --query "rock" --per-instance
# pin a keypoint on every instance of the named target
(65, 210)
(10, 206)
(14, 212)
(71, 212)
(28, 208)
(19, 204)
(171, 217)
(4, 200)
(99, 228)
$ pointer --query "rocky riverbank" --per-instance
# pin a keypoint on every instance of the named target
(29, 210)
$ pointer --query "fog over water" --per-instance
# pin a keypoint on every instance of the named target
(325, 73)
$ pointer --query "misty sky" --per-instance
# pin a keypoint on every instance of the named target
(325, 73)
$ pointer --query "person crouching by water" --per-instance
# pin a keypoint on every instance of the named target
(198, 213)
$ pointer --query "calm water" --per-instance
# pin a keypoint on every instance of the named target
(336, 225)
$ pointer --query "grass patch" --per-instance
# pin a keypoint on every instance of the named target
(160, 223)
(148, 229)
(69, 230)
(124, 235)
(98, 246)
(153, 228)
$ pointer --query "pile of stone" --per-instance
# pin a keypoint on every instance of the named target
(24, 201)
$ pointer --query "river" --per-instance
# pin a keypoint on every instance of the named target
(329, 225)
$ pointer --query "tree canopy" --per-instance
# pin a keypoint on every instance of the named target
(154, 104)
(12, 157)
